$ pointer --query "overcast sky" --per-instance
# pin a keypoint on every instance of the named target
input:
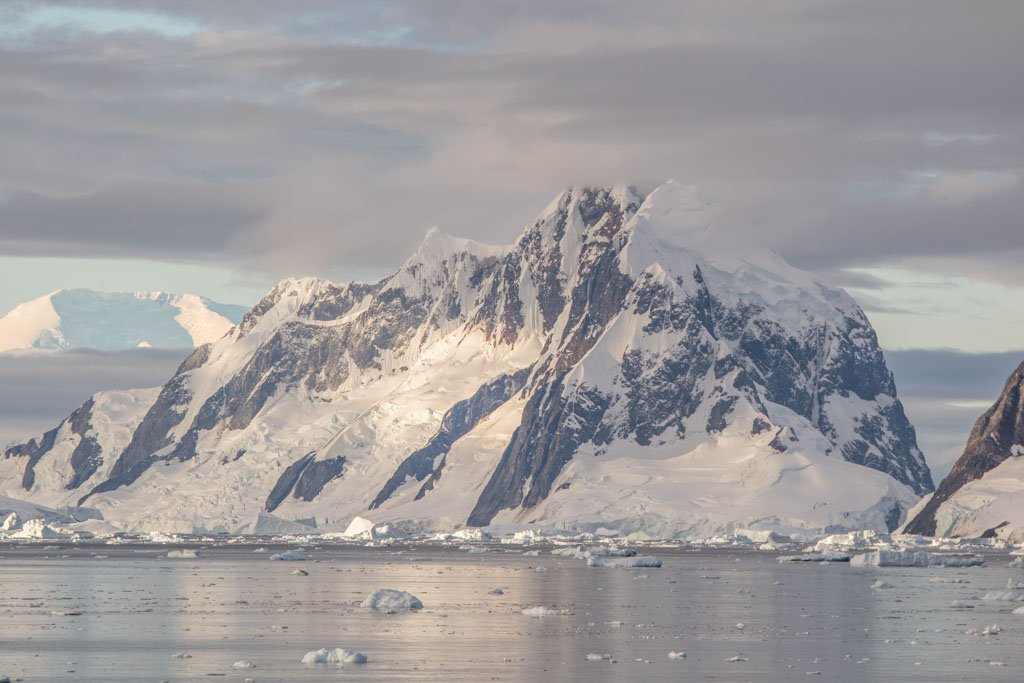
(208, 146)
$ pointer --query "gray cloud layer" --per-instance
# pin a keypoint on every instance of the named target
(303, 137)
(38, 390)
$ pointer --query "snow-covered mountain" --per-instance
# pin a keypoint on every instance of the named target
(85, 318)
(612, 367)
(983, 495)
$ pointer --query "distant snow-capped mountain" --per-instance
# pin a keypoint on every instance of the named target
(613, 367)
(984, 492)
(85, 318)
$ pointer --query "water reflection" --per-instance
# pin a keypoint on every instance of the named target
(139, 608)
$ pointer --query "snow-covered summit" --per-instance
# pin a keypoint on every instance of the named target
(85, 318)
(609, 368)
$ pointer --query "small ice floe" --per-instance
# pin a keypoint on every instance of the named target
(676, 655)
(961, 604)
(595, 657)
(815, 557)
(1012, 595)
(1019, 611)
(992, 630)
(881, 585)
(300, 572)
(539, 612)
(336, 656)
(900, 558)
(183, 554)
(737, 658)
(943, 579)
(740, 626)
(624, 562)
(474, 549)
(532, 553)
(65, 613)
(540, 569)
(392, 601)
(291, 556)
(495, 591)
(243, 664)
(181, 655)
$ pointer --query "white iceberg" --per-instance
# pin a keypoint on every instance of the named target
(291, 556)
(391, 601)
(900, 558)
(336, 656)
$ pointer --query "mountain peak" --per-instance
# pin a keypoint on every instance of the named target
(85, 318)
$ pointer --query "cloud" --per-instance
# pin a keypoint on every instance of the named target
(327, 134)
(39, 389)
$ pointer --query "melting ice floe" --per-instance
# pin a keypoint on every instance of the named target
(336, 656)
(392, 601)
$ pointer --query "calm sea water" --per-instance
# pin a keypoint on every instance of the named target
(138, 609)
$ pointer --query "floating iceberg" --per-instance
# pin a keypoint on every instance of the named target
(291, 556)
(899, 558)
(336, 656)
(624, 562)
(815, 557)
(390, 601)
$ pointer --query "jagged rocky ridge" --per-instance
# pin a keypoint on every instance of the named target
(611, 367)
(983, 495)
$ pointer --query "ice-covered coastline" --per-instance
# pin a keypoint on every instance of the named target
(599, 548)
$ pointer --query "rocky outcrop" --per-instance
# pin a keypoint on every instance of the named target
(997, 436)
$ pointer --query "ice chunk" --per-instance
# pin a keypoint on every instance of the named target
(594, 657)
(1008, 595)
(291, 556)
(336, 656)
(882, 584)
(676, 655)
(495, 591)
(243, 664)
(900, 558)
(624, 562)
(37, 528)
(815, 557)
(538, 612)
(183, 554)
(12, 521)
(391, 601)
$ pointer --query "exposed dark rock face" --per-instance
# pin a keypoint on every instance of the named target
(991, 442)
(87, 456)
(553, 428)
(286, 482)
(304, 479)
(33, 450)
(456, 423)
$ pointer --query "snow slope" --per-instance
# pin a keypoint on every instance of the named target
(84, 318)
(613, 367)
